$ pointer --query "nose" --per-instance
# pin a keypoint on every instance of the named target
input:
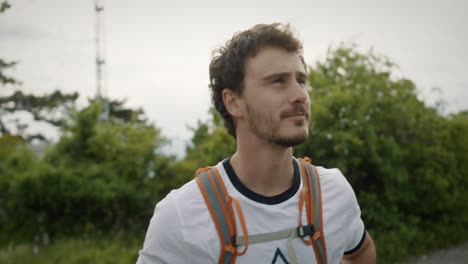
(298, 93)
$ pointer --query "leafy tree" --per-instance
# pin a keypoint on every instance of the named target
(119, 111)
(5, 79)
(398, 153)
(99, 176)
(52, 108)
(4, 6)
(210, 143)
(15, 159)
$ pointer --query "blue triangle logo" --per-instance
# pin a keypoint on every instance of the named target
(279, 257)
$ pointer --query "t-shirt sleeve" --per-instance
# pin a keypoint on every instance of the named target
(359, 244)
(164, 238)
(354, 226)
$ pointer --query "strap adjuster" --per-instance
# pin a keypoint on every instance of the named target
(306, 230)
(234, 241)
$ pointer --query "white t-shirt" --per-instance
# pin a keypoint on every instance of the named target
(182, 230)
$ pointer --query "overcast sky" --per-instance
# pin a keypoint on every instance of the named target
(157, 52)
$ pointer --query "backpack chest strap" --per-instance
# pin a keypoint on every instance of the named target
(301, 231)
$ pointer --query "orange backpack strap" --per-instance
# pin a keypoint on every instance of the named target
(311, 197)
(220, 206)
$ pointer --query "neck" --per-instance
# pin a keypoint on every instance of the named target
(262, 167)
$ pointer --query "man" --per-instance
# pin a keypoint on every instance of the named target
(258, 83)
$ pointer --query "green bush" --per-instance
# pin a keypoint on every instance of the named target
(405, 161)
(99, 176)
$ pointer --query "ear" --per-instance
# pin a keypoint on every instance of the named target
(232, 102)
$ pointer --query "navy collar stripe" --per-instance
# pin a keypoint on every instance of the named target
(258, 197)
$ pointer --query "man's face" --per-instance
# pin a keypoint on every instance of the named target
(275, 99)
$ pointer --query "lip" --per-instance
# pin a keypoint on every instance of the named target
(296, 116)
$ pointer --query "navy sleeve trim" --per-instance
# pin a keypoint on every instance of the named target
(358, 245)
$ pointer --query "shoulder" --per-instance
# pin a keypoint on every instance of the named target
(331, 174)
(341, 211)
(333, 182)
(338, 197)
(178, 221)
(179, 206)
(181, 202)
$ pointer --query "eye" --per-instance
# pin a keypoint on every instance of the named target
(278, 80)
(301, 81)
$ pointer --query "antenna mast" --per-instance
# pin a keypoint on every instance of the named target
(100, 59)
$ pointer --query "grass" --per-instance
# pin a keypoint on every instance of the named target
(121, 248)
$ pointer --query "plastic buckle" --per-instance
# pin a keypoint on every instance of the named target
(234, 241)
(306, 230)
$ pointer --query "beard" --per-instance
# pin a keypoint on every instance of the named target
(264, 127)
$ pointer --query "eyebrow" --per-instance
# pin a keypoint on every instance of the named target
(283, 74)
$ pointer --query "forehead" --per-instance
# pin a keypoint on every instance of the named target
(270, 60)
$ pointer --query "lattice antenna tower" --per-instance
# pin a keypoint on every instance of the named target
(101, 89)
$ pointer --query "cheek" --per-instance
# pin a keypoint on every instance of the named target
(307, 100)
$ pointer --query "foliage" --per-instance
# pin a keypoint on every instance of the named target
(403, 159)
(99, 176)
(52, 108)
(118, 110)
(4, 6)
(210, 142)
(102, 175)
(5, 79)
(15, 159)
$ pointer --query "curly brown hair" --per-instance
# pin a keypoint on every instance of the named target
(227, 67)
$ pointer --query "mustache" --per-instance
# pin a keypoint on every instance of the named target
(297, 109)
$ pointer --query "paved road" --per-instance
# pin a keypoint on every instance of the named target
(456, 255)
